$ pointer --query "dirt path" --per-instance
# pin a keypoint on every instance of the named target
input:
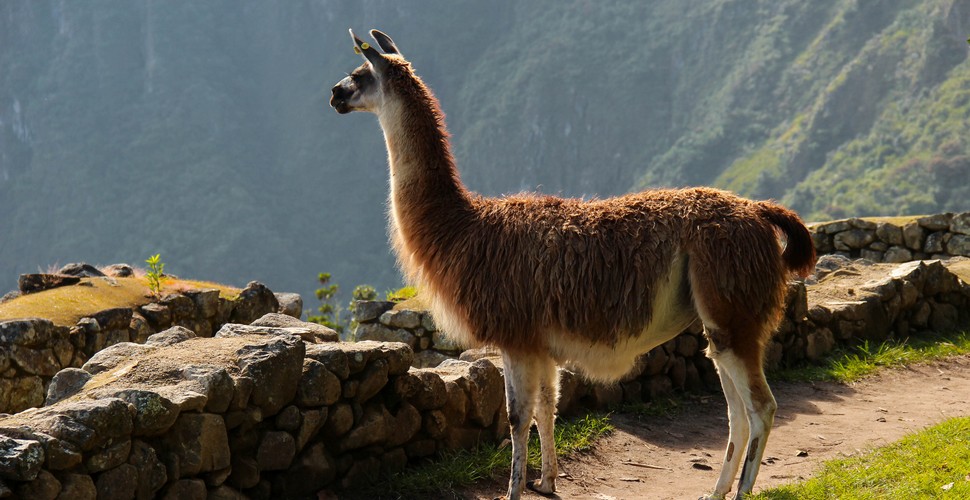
(826, 420)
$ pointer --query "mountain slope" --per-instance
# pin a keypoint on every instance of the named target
(201, 130)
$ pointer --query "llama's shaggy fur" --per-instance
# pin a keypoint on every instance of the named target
(589, 283)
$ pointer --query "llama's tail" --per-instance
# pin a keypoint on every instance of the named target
(799, 255)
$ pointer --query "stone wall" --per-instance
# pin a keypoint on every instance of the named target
(260, 411)
(378, 320)
(930, 237)
(33, 350)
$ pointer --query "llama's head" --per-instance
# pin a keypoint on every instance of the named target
(369, 86)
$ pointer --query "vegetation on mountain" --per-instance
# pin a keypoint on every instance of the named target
(199, 130)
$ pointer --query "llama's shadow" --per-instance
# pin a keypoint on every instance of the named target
(701, 421)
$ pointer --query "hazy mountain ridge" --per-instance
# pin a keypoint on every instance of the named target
(201, 131)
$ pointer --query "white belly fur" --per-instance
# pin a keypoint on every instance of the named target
(608, 363)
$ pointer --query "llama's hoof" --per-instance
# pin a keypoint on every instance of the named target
(537, 486)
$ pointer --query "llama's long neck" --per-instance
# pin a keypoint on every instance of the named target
(427, 196)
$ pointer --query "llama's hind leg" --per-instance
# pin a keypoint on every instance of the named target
(521, 390)
(545, 423)
(756, 414)
(737, 436)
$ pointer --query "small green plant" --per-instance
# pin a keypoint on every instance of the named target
(329, 311)
(401, 294)
(155, 274)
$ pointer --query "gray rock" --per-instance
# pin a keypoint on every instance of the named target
(291, 304)
(936, 222)
(379, 333)
(45, 487)
(254, 301)
(369, 310)
(371, 429)
(109, 457)
(372, 380)
(853, 239)
(320, 332)
(78, 487)
(173, 335)
(960, 223)
(318, 385)
(158, 315)
(20, 460)
(819, 343)
(65, 384)
(289, 419)
(833, 227)
(152, 474)
(117, 318)
(119, 271)
(483, 384)
(897, 254)
(934, 242)
(430, 359)
(33, 283)
(404, 318)
(186, 489)
(31, 332)
(275, 368)
(913, 235)
(402, 426)
(80, 269)
(276, 451)
(889, 233)
(313, 470)
(35, 361)
(310, 423)
(18, 394)
(200, 442)
(206, 301)
(214, 382)
(139, 329)
(332, 356)
(116, 355)
(959, 244)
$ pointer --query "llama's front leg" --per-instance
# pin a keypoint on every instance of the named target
(545, 423)
(521, 388)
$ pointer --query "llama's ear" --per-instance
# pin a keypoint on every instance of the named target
(387, 45)
(370, 53)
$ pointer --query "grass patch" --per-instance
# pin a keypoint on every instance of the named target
(456, 469)
(933, 463)
(66, 305)
(848, 365)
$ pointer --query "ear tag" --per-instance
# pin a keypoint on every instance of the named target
(365, 45)
(356, 50)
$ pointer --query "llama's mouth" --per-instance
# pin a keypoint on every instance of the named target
(339, 105)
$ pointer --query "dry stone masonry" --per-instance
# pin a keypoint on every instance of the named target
(931, 237)
(33, 350)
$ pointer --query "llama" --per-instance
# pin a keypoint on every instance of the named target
(591, 284)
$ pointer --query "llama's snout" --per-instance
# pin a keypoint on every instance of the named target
(338, 99)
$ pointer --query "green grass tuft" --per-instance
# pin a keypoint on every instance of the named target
(932, 463)
(852, 364)
(455, 469)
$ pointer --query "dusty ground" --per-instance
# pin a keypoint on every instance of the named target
(679, 456)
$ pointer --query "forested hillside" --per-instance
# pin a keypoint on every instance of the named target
(200, 130)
